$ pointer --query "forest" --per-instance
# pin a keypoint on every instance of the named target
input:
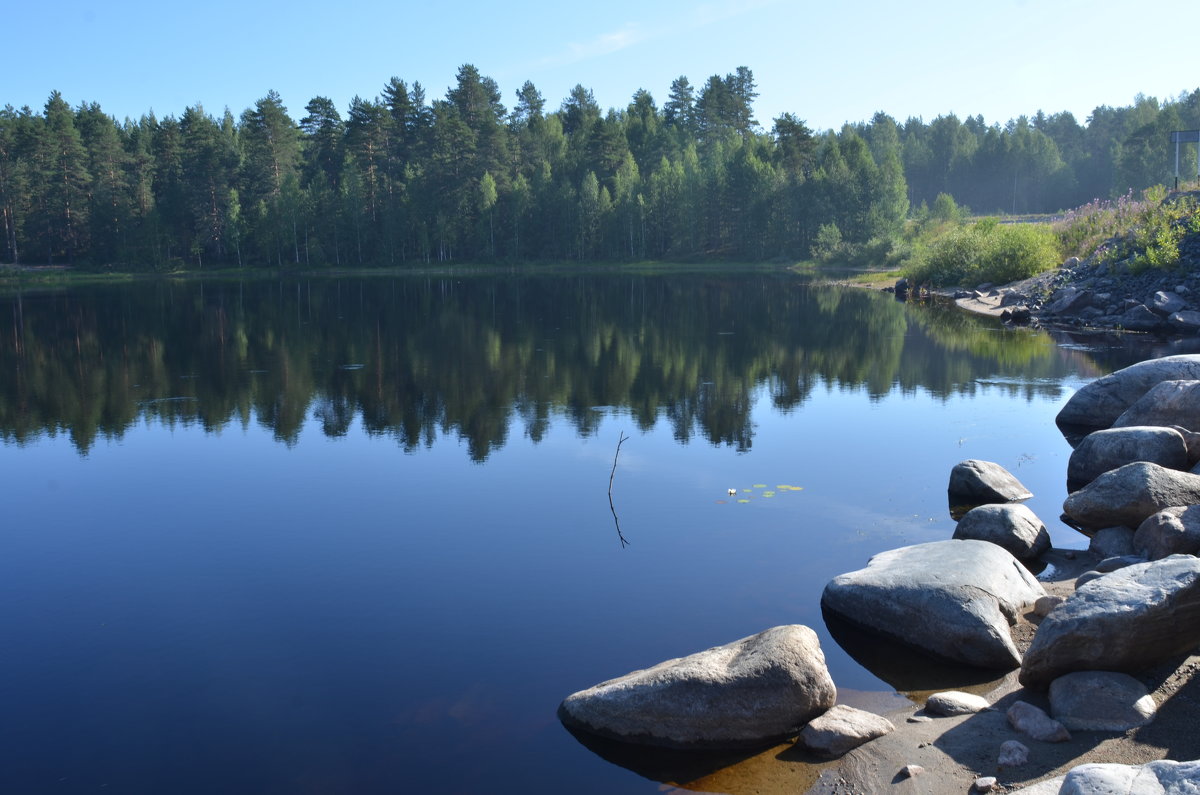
(402, 179)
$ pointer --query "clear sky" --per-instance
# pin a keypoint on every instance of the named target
(828, 62)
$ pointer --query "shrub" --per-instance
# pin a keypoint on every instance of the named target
(984, 252)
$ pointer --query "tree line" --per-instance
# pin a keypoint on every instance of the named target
(402, 179)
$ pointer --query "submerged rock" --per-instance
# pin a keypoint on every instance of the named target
(950, 599)
(1130, 494)
(1124, 621)
(754, 690)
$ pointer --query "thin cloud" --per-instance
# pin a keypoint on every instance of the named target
(623, 38)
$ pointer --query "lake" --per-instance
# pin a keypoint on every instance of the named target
(355, 536)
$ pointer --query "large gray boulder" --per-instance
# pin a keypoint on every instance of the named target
(1124, 621)
(1012, 526)
(1165, 403)
(1100, 701)
(754, 690)
(1164, 777)
(974, 482)
(1112, 448)
(1099, 403)
(1129, 495)
(1171, 531)
(950, 599)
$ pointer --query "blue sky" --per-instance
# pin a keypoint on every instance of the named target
(828, 62)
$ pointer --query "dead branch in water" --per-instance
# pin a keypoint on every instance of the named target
(616, 521)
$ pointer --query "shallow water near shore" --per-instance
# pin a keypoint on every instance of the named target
(354, 535)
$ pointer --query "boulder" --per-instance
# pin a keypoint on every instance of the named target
(1109, 542)
(1186, 321)
(1033, 721)
(1129, 495)
(1171, 531)
(1164, 777)
(1112, 448)
(1124, 621)
(1099, 403)
(1140, 318)
(1100, 701)
(955, 702)
(1012, 526)
(975, 482)
(1166, 403)
(755, 690)
(1164, 303)
(843, 729)
(1068, 301)
(950, 599)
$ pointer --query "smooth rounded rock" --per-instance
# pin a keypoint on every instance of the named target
(975, 482)
(754, 690)
(1124, 621)
(1011, 526)
(1166, 403)
(842, 729)
(1099, 403)
(1112, 448)
(955, 702)
(951, 599)
(1129, 495)
(1171, 531)
(1100, 701)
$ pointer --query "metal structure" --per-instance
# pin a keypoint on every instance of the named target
(1186, 137)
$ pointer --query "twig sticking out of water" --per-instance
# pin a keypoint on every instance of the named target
(616, 521)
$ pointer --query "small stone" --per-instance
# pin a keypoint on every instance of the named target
(985, 783)
(1031, 720)
(912, 771)
(955, 702)
(1045, 604)
(843, 729)
(1013, 754)
(919, 719)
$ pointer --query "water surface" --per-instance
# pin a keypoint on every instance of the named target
(354, 535)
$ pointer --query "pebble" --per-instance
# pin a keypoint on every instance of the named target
(985, 783)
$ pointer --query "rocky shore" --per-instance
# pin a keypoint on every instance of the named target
(1097, 294)
(1078, 680)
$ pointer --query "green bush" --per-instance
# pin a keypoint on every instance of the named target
(984, 252)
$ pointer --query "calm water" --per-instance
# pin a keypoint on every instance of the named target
(354, 536)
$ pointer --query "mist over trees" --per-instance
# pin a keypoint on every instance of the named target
(403, 178)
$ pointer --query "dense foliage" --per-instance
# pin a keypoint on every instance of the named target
(400, 179)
